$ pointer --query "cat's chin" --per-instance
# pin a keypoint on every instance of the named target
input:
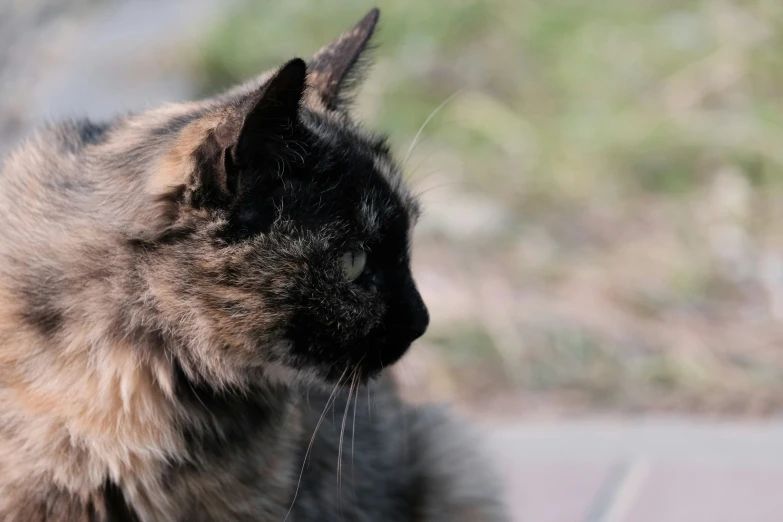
(361, 377)
(356, 369)
(356, 364)
(367, 365)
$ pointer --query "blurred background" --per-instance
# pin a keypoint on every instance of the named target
(602, 244)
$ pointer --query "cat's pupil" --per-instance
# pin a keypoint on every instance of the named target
(354, 263)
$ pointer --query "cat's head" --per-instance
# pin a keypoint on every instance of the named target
(286, 249)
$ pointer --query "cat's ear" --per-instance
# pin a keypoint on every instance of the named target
(204, 165)
(335, 66)
(265, 115)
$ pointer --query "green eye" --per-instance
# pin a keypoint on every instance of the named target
(353, 264)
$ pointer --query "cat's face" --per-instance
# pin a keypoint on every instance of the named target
(292, 241)
(327, 245)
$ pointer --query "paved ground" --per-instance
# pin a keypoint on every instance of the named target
(642, 471)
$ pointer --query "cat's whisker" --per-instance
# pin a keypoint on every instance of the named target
(409, 173)
(329, 402)
(423, 125)
(353, 429)
(340, 439)
(342, 433)
(438, 186)
(312, 440)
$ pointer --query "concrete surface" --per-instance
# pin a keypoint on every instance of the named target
(641, 471)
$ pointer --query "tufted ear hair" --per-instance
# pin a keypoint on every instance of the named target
(226, 145)
(265, 114)
(253, 131)
(334, 67)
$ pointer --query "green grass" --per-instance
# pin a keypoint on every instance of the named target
(634, 150)
(648, 95)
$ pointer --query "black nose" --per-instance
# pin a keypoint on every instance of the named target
(420, 317)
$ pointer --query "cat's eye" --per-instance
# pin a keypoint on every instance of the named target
(353, 264)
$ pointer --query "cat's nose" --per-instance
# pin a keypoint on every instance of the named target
(420, 324)
(420, 317)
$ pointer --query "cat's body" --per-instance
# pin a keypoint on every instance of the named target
(181, 290)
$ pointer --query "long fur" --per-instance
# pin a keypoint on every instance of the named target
(178, 335)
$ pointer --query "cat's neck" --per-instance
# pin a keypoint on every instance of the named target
(128, 416)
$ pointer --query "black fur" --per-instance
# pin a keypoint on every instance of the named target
(116, 508)
(175, 311)
(297, 191)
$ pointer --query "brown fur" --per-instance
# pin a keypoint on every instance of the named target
(132, 387)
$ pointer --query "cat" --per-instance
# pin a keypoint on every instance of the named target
(198, 305)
